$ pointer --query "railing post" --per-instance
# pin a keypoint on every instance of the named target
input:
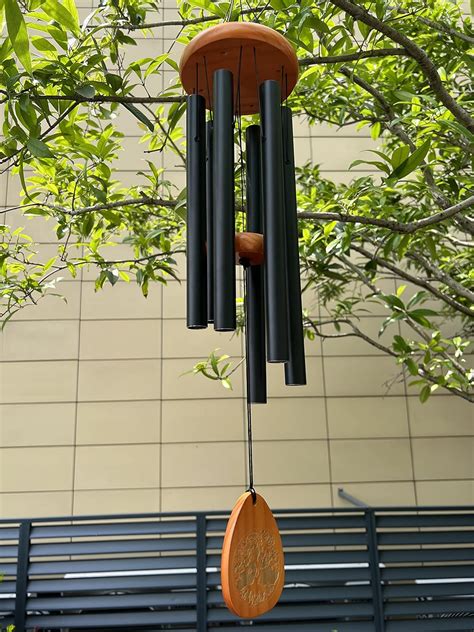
(201, 579)
(22, 575)
(374, 567)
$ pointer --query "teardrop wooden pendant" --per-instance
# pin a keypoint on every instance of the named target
(252, 567)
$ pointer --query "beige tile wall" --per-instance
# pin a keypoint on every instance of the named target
(97, 416)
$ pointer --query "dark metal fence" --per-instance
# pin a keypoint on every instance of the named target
(347, 570)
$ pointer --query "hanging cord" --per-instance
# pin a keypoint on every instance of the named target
(250, 488)
(209, 101)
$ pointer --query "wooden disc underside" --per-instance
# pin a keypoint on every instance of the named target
(249, 248)
(253, 52)
(252, 567)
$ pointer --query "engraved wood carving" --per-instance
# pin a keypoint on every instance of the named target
(252, 568)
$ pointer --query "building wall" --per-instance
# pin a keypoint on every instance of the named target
(97, 417)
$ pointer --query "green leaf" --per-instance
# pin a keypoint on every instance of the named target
(55, 10)
(18, 34)
(375, 130)
(86, 91)
(38, 148)
(399, 155)
(139, 115)
(411, 163)
(425, 393)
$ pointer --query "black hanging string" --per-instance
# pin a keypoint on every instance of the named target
(250, 488)
(208, 88)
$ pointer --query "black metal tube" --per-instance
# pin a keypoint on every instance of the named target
(224, 212)
(276, 295)
(295, 368)
(210, 220)
(196, 292)
(257, 369)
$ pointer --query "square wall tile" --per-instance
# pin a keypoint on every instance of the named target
(179, 383)
(115, 339)
(202, 420)
(115, 501)
(117, 466)
(35, 505)
(441, 415)
(44, 340)
(180, 342)
(200, 498)
(377, 494)
(118, 422)
(290, 462)
(346, 376)
(290, 418)
(36, 424)
(371, 460)
(296, 496)
(36, 469)
(444, 458)
(53, 381)
(119, 379)
(368, 417)
(203, 464)
(122, 300)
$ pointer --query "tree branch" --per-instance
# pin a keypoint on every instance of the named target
(441, 276)
(424, 62)
(366, 54)
(398, 227)
(100, 98)
(415, 280)
(444, 28)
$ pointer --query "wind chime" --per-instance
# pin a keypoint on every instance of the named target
(235, 69)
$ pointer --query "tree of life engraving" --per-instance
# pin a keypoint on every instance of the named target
(256, 567)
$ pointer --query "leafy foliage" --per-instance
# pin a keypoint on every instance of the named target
(403, 69)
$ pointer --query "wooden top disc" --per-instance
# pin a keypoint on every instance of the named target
(252, 51)
(252, 567)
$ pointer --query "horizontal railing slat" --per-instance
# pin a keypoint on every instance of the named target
(112, 564)
(426, 555)
(113, 583)
(427, 572)
(107, 602)
(437, 520)
(412, 591)
(178, 617)
(113, 546)
(430, 625)
(111, 529)
(301, 612)
(430, 607)
(426, 537)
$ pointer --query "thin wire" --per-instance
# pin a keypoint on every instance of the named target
(208, 89)
(251, 488)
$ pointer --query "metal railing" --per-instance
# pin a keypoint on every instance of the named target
(347, 570)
